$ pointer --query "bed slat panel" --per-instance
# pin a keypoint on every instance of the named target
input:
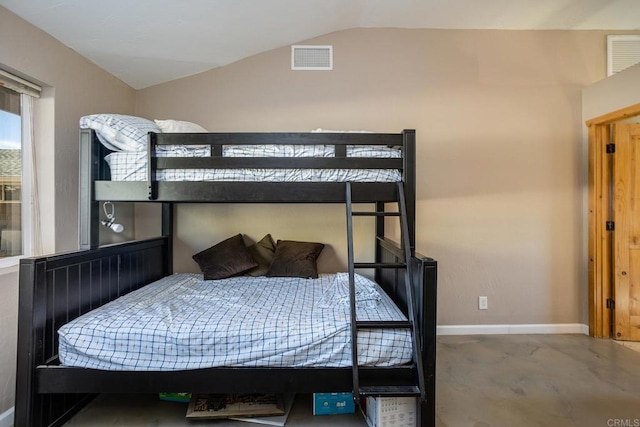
(85, 292)
(57, 289)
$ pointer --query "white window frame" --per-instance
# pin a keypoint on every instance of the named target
(27, 91)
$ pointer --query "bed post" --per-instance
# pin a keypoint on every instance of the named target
(429, 273)
(88, 208)
(425, 278)
(35, 348)
(167, 230)
(379, 207)
(409, 177)
(29, 339)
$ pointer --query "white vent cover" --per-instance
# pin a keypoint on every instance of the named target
(622, 52)
(311, 57)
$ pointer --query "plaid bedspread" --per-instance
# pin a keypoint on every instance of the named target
(184, 322)
(132, 165)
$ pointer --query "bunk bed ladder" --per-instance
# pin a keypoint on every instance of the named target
(417, 388)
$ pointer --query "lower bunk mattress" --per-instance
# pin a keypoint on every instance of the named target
(184, 322)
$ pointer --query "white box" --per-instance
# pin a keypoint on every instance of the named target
(391, 411)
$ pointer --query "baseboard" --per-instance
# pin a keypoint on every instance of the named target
(6, 418)
(551, 328)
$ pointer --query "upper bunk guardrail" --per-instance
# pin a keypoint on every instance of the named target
(97, 177)
(280, 138)
(217, 141)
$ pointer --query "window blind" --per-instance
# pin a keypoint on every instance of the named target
(9, 101)
(19, 84)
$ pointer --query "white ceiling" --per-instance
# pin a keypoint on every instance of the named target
(146, 42)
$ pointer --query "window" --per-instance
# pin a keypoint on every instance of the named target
(10, 174)
(16, 180)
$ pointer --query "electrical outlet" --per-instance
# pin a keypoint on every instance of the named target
(483, 303)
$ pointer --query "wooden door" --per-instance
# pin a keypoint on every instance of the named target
(626, 233)
(601, 253)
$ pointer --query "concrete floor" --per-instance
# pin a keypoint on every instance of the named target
(537, 380)
(482, 381)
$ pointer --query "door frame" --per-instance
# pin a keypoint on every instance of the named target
(600, 263)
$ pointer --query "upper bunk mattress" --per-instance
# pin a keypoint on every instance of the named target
(132, 165)
(185, 322)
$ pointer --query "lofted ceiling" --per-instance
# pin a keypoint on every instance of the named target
(147, 42)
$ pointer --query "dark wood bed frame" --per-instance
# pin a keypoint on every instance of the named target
(57, 289)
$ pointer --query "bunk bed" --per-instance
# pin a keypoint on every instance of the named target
(56, 289)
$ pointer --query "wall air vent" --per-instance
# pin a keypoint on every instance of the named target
(311, 57)
(622, 52)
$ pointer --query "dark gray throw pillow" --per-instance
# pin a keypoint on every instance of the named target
(262, 252)
(295, 259)
(225, 259)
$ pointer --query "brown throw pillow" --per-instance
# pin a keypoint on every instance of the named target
(295, 259)
(262, 252)
(225, 259)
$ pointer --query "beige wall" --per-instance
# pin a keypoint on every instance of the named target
(500, 173)
(73, 87)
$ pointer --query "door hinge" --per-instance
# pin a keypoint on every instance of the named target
(610, 225)
(611, 148)
(611, 304)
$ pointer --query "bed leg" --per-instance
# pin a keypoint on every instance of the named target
(427, 414)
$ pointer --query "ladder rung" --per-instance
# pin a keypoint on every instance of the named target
(379, 265)
(384, 324)
(375, 213)
(390, 390)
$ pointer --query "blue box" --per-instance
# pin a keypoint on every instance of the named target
(333, 403)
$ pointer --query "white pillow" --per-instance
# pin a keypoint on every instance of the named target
(120, 132)
(179, 126)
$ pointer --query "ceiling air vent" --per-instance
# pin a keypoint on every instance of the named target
(622, 52)
(311, 57)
